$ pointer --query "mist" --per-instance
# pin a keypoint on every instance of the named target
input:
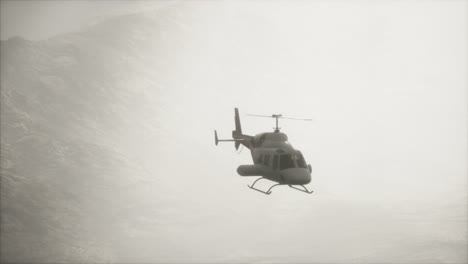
(108, 150)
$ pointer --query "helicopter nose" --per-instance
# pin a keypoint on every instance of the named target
(297, 176)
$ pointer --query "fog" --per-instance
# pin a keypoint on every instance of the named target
(108, 150)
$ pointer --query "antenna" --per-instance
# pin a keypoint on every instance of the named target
(277, 116)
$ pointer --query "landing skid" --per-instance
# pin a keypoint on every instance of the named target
(302, 190)
(258, 190)
(268, 192)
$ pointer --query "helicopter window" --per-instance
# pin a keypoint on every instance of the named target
(286, 162)
(275, 162)
(301, 161)
(266, 160)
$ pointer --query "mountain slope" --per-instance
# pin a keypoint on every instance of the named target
(67, 181)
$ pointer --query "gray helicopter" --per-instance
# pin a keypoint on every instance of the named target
(273, 156)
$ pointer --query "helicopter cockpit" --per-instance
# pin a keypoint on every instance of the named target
(287, 161)
(273, 156)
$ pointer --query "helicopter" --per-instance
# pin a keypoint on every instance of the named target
(273, 156)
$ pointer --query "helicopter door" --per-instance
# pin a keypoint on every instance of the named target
(260, 159)
(266, 160)
(275, 162)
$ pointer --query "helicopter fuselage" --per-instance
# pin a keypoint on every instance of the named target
(275, 159)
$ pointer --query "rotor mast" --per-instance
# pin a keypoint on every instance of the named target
(277, 129)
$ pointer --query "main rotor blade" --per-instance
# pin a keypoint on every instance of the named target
(283, 117)
(303, 119)
(260, 115)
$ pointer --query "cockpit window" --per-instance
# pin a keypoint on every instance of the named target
(292, 161)
(286, 162)
(301, 161)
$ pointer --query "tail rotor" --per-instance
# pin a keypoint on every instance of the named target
(216, 138)
(237, 137)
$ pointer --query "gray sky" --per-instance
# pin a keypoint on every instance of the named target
(40, 19)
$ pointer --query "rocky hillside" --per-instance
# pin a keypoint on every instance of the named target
(67, 106)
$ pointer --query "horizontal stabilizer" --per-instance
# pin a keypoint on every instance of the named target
(217, 140)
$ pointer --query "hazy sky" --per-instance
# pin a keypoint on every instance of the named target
(42, 19)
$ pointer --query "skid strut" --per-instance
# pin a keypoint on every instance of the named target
(258, 190)
(302, 190)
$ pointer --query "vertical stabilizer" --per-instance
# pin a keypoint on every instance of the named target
(238, 130)
(237, 137)
(237, 121)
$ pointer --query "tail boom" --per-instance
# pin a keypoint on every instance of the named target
(237, 137)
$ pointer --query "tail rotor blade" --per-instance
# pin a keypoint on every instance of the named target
(237, 121)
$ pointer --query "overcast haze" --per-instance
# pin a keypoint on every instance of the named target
(38, 20)
(107, 126)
